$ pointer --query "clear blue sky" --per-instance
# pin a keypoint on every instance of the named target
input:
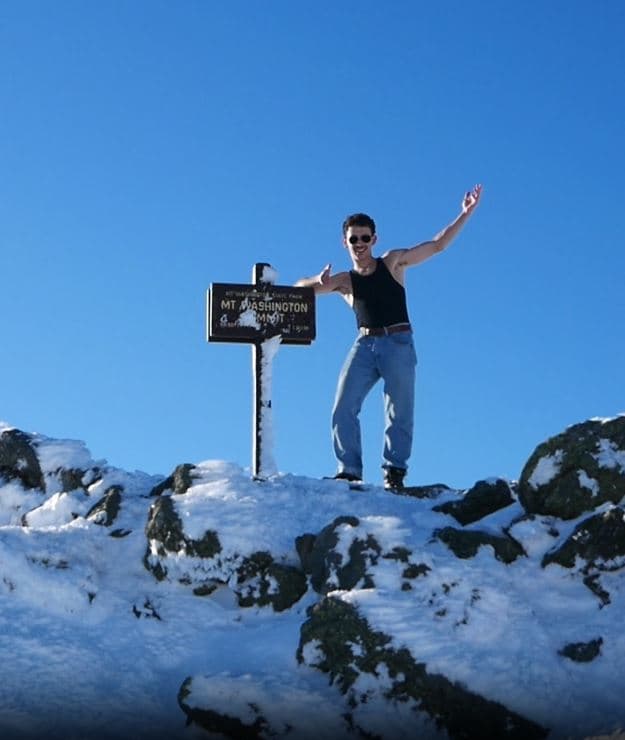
(148, 149)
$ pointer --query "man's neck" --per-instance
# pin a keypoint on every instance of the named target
(365, 268)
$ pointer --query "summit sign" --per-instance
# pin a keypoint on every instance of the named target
(252, 313)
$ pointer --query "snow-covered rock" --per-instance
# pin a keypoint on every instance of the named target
(576, 471)
(296, 608)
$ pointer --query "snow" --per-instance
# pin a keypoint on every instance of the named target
(585, 481)
(61, 453)
(269, 275)
(609, 455)
(248, 317)
(88, 635)
(546, 469)
(269, 349)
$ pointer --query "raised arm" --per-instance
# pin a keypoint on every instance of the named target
(398, 259)
(325, 282)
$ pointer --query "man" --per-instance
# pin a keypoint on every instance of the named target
(383, 349)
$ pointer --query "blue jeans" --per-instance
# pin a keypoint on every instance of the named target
(393, 359)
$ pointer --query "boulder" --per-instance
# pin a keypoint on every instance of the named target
(243, 706)
(486, 497)
(322, 558)
(344, 556)
(576, 471)
(432, 490)
(18, 459)
(260, 581)
(221, 723)
(582, 652)
(598, 540)
(465, 543)
(166, 538)
(256, 579)
(104, 512)
(72, 479)
(337, 640)
(178, 482)
(596, 545)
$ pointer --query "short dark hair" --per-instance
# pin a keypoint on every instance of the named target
(359, 219)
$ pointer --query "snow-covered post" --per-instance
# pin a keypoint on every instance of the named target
(264, 315)
(263, 353)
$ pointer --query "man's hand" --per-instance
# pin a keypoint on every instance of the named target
(325, 282)
(471, 199)
(324, 275)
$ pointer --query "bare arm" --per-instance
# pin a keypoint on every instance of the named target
(325, 282)
(398, 259)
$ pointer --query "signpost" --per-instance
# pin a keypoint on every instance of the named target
(263, 315)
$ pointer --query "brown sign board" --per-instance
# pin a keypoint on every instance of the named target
(249, 313)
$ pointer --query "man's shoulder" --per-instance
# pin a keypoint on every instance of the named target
(392, 256)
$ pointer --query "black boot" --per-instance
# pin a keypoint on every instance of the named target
(394, 478)
(347, 476)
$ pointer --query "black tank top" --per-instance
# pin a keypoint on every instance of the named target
(379, 300)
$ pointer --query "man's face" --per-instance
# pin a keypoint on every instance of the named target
(358, 240)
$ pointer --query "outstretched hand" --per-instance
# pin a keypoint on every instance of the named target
(324, 275)
(471, 199)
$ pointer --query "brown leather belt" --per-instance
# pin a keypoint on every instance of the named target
(382, 331)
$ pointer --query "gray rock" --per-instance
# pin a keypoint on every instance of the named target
(322, 558)
(345, 646)
(325, 565)
(483, 499)
(577, 470)
(178, 482)
(598, 543)
(104, 512)
(18, 459)
(165, 533)
(432, 490)
(582, 652)
(465, 543)
(257, 579)
(222, 723)
(72, 479)
(164, 526)
(599, 540)
(260, 581)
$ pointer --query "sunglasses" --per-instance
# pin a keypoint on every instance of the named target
(366, 238)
